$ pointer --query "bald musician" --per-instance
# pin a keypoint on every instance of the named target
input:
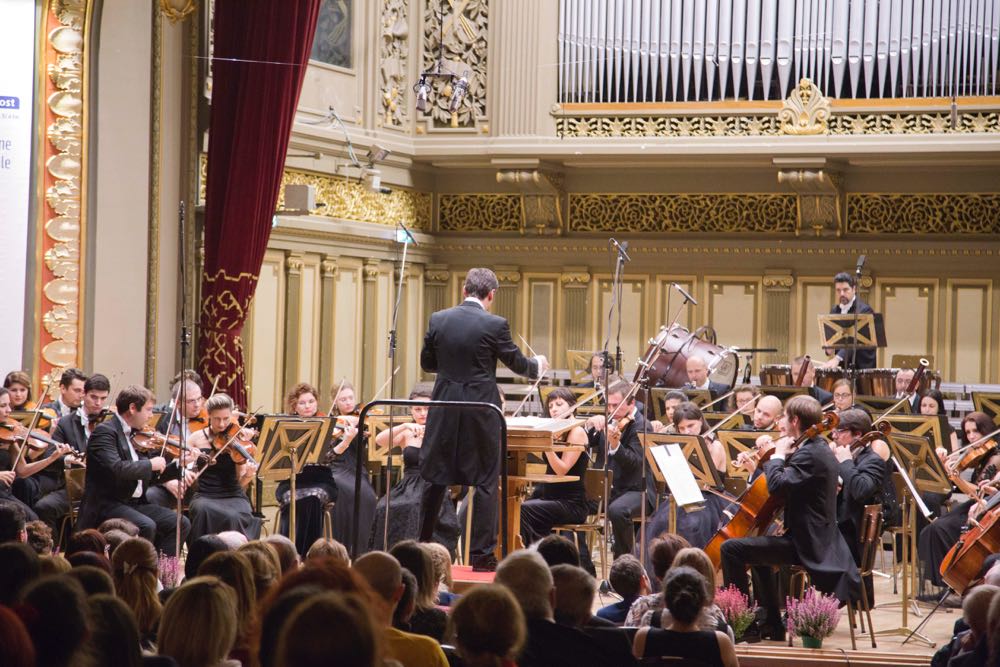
(697, 372)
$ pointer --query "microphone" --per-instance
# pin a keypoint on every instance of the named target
(861, 263)
(458, 94)
(684, 292)
(406, 236)
(622, 248)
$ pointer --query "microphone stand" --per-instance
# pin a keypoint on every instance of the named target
(185, 341)
(852, 371)
(407, 239)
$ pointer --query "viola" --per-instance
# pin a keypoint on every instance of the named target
(757, 507)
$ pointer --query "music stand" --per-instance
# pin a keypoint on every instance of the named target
(837, 331)
(880, 404)
(724, 420)
(695, 451)
(579, 365)
(734, 443)
(698, 396)
(784, 392)
(931, 426)
(286, 444)
(984, 401)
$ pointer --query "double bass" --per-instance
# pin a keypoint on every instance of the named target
(757, 507)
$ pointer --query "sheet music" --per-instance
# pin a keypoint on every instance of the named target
(913, 491)
(671, 462)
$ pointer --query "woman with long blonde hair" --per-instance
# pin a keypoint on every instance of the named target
(135, 570)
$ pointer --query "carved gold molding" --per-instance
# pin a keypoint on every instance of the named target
(435, 274)
(778, 281)
(806, 110)
(571, 279)
(953, 213)
(61, 250)
(178, 10)
(393, 63)
(480, 213)
(578, 248)
(329, 267)
(508, 275)
(725, 213)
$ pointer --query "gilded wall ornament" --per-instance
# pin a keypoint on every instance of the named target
(465, 31)
(806, 110)
(480, 213)
(683, 213)
(953, 213)
(178, 10)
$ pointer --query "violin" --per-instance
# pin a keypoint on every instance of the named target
(232, 441)
(157, 444)
(616, 428)
(757, 507)
(199, 421)
(975, 454)
(12, 430)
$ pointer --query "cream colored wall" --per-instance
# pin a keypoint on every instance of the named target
(121, 204)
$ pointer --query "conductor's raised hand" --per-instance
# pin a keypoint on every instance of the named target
(543, 364)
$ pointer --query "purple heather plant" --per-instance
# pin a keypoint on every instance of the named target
(815, 615)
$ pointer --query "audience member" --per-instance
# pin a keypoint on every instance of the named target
(94, 580)
(971, 646)
(39, 537)
(11, 523)
(711, 617)
(270, 624)
(686, 593)
(200, 549)
(234, 539)
(441, 558)
(327, 547)
(56, 564)
(135, 573)
(114, 636)
(57, 621)
(993, 631)
(330, 624)
(407, 603)
(557, 550)
(16, 649)
(266, 565)
(81, 558)
(233, 568)
(123, 525)
(199, 628)
(526, 574)
(488, 627)
(628, 580)
(288, 555)
(18, 568)
(575, 590)
(115, 537)
(87, 540)
(661, 556)
(427, 619)
(384, 574)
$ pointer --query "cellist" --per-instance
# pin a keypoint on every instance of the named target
(806, 477)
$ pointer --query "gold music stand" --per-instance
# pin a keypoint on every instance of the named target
(699, 397)
(696, 453)
(837, 331)
(286, 444)
(783, 392)
(879, 404)
(733, 443)
(989, 403)
(724, 420)
(579, 365)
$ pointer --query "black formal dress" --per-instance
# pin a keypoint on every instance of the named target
(553, 504)
(866, 358)
(807, 481)
(6, 492)
(462, 446)
(405, 503)
(344, 467)
(114, 472)
(220, 503)
(862, 479)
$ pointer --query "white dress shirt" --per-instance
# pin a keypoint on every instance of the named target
(131, 450)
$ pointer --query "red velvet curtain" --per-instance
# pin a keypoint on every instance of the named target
(261, 52)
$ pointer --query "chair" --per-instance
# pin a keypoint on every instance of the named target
(871, 532)
(597, 484)
(75, 478)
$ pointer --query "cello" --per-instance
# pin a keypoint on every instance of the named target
(757, 507)
(961, 565)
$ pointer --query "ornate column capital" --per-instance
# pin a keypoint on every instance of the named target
(508, 275)
(293, 264)
(436, 274)
(372, 269)
(778, 281)
(575, 277)
(329, 266)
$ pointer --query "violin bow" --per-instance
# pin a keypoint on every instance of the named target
(385, 384)
(215, 385)
(23, 450)
(910, 391)
(336, 394)
(729, 416)
(718, 400)
(541, 376)
(173, 413)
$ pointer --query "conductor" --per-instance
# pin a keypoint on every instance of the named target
(462, 446)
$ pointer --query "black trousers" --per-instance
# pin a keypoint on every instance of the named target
(761, 553)
(538, 515)
(485, 524)
(621, 510)
(156, 524)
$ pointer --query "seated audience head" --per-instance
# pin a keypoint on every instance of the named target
(415, 558)
(12, 523)
(271, 622)
(685, 593)
(557, 550)
(114, 635)
(325, 547)
(993, 630)
(575, 590)
(325, 625)
(123, 525)
(199, 627)
(442, 563)
(234, 569)
(407, 604)
(57, 622)
(90, 558)
(115, 537)
(385, 576)
(39, 537)
(90, 539)
(697, 559)
(992, 575)
(663, 551)
(94, 580)
(199, 550)
(135, 570)
(19, 567)
(264, 561)
(234, 539)
(16, 649)
(976, 608)
(526, 574)
(56, 564)
(627, 577)
(288, 555)
(488, 626)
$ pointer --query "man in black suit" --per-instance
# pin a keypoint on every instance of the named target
(848, 303)
(118, 475)
(71, 384)
(461, 446)
(903, 378)
(806, 479)
(809, 380)
(697, 372)
(625, 463)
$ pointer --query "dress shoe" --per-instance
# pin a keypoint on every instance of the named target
(752, 634)
(486, 563)
(774, 633)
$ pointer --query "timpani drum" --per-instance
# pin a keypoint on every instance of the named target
(775, 375)
(877, 382)
(827, 377)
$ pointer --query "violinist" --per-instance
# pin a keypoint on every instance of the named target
(75, 429)
(179, 423)
(19, 385)
(341, 454)
(937, 538)
(302, 400)
(862, 472)
(8, 454)
(624, 457)
(220, 503)
(118, 475)
(805, 476)
(70, 392)
(671, 400)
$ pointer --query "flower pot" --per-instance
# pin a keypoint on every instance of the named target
(812, 642)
